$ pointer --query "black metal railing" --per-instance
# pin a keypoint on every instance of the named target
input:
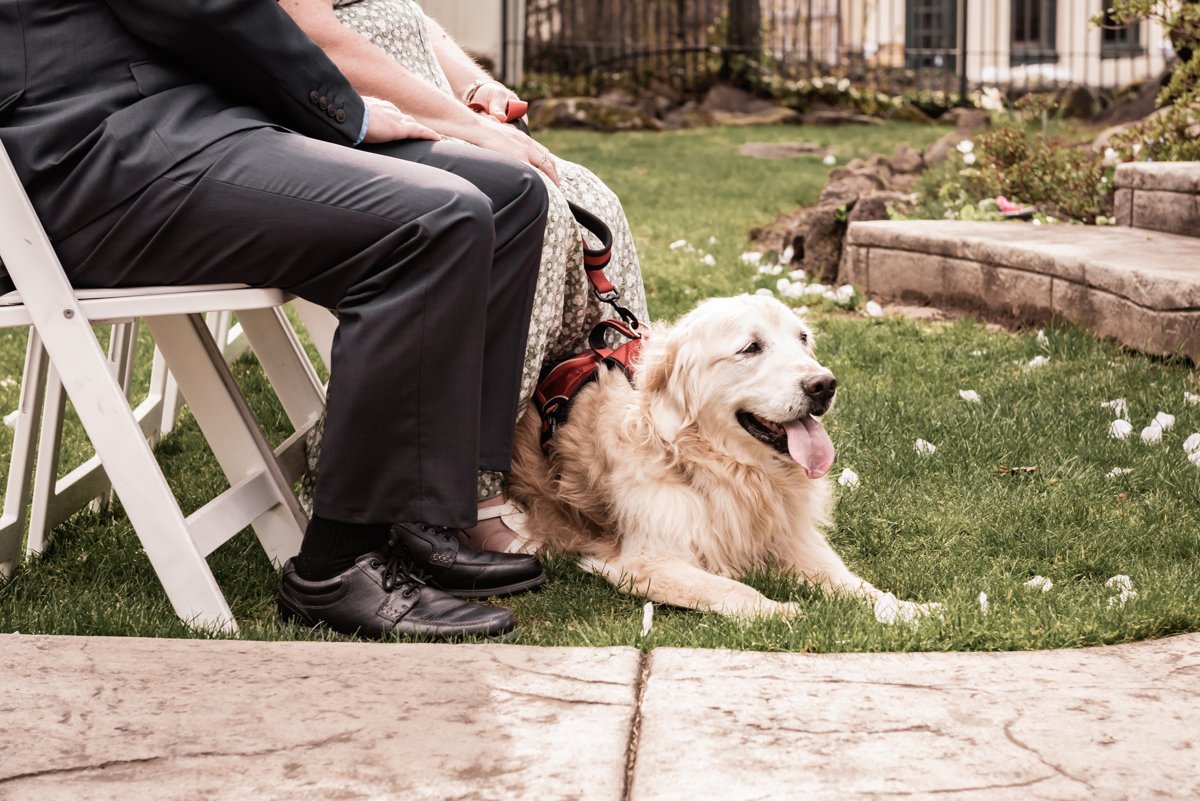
(889, 45)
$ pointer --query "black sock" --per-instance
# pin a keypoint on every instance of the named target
(329, 547)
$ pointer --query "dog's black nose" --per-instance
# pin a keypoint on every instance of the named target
(819, 387)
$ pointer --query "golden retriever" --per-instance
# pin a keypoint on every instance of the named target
(711, 462)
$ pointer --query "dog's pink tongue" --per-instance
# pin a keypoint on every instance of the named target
(810, 446)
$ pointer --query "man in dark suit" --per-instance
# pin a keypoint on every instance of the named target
(209, 141)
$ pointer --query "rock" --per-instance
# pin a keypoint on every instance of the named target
(588, 113)
(839, 117)
(881, 166)
(781, 150)
(967, 121)
(906, 113)
(940, 150)
(844, 191)
(907, 160)
(823, 243)
(722, 99)
(776, 115)
(875, 206)
(689, 115)
(1077, 101)
(618, 97)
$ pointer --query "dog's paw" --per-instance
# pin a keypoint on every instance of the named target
(889, 609)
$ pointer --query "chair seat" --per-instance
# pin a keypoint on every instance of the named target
(111, 305)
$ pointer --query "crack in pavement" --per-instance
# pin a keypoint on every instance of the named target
(112, 763)
(1012, 738)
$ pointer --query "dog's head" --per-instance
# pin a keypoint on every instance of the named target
(741, 371)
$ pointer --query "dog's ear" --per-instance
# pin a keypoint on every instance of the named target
(661, 378)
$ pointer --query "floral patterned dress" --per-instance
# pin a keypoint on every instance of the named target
(564, 309)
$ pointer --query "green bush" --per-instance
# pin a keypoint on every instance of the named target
(1020, 159)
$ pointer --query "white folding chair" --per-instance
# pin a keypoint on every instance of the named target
(260, 479)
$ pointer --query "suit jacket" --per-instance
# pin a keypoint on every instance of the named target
(98, 98)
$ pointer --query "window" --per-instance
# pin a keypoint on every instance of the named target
(1033, 31)
(931, 34)
(1116, 42)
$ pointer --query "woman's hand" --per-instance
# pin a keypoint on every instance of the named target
(386, 123)
(494, 97)
(514, 143)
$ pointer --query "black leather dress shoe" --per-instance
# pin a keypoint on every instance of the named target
(463, 571)
(379, 596)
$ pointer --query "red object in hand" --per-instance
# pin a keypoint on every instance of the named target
(514, 110)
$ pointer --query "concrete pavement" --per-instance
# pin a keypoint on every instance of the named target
(127, 718)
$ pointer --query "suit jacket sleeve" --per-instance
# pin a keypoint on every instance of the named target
(253, 49)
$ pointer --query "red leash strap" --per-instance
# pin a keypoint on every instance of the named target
(596, 259)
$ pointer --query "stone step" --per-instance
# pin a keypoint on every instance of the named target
(1159, 196)
(1137, 286)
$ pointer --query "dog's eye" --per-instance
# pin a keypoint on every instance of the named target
(803, 337)
(751, 349)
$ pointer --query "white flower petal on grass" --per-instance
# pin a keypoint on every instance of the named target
(1118, 406)
(712, 240)
(647, 617)
(848, 478)
(844, 293)
(1165, 421)
(890, 610)
(677, 244)
(787, 255)
(8, 383)
(10, 419)
(968, 159)
(1194, 458)
(1040, 582)
(1124, 585)
(1191, 399)
(925, 448)
(751, 257)
(979, 353)
(1152, 433)
(1120, 581)
(782, 286)
(970, 396)
(874, 309)
(829, 160)
(798, 275)
(1120, 429)
(1038, 361)
(983, 602)
(965, 146)
(1042, 338)
(771, 268)
(1117, 471)
(1192, 443)
(709, 260)
(764, 291)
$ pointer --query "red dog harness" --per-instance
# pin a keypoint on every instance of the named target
(561, 382)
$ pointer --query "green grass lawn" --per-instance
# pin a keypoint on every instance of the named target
(943, 527)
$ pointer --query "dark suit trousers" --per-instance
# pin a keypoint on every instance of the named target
(428, 250)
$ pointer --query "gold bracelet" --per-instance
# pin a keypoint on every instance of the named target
(469, 94)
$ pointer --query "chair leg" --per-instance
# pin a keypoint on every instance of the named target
(286, 364)
(321, 325)
(229, 426)
(130, 464)
(44, 478)
(20, 467)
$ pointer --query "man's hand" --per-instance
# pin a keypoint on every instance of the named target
(387, 123)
